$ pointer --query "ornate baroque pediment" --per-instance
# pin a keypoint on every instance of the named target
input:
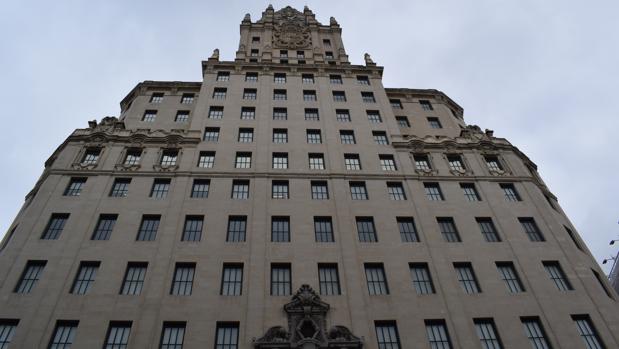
(290, 29)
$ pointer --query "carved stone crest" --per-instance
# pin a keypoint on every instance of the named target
(291, 30)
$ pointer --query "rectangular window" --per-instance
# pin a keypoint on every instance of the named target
(493, 163)
(192, 230)
(510, 192)
(134, 278)
(279, 189)
(342, 115)
(510, 276)
(280, 229)
(280, 280)
(85, 277)
(407, 228)
(434, 123)
(328, 279)
(7, 331)
(387, 335)
(182, 283)
(168, 157)
(587, 332)
(30, 276)
(182, 116)
(160, 188)
(133, 157)
(310, 96)
(323, 229)
(149, 115)
(148, 228)
(531, 229)
(64, 333)
(395, 103)
(387, 163)
(556, 274)
(466, 277)
(172, 335)
(248, 113)
(280, 135)
(455, 163)
(374, 116)
(335, 79)
(280, 161)
(246, 135)
(380, 137)
(55, 226)
(396, 191)
(347, 137)
(326, 43)
(252, 77)
(117, 336)
(211, 134)
(187, 98)
(358, 191)
(368, 97)
(216, 112)
(120, 188)
(403, 121)
(363, 80)
(223, 76)
(279, 95)
(470, 192)
(219, 93)
(232, 280)
(328, 55)
(488, 230)
(422, 282)
(75, 187)
(313, 136)
(283, 53)
(227, 335)
(316, 161)
(438, 337)
(206, 159)
(448, 229)
(240, 189)
(311, 114)
(307, 78)
(237, 226)
(422, 162)
(426, 105)
(366, 229)
(320, 190)
(352, 162)
(200, 188)
(250, 93)
(280, 114)
(91, 156)
(433, 192)
(339, 96)
(104, 227)
(156, 97)
(243, 160)
(377, 281)
(279, 78)
(535, 332)
(487, 334)
(602, 283)
(300, 54)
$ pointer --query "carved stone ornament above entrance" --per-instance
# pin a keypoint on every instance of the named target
(291, 30)
(307, 327)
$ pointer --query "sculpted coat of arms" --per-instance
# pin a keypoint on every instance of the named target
(290, 29)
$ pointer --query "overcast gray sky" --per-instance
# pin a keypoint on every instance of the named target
(543, 74)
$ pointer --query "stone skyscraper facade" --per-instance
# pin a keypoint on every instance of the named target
(290, 200)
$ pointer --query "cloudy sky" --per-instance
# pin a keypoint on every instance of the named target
(542, 74)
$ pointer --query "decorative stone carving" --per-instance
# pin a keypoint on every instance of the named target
(290, 29)
(247, 18)
(333, 22)
(215, 55)
(107, 124)
(368, 59)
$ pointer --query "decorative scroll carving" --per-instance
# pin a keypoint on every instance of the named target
(290, 29)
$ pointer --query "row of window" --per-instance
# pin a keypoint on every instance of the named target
(387, 334)
(186, 98)
(282, 95)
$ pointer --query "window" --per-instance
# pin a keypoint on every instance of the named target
(487, 334)
(556, 274)
(602, 284)
(320, 190)
(200, 188)
(192, 230)
(466, 277)
(243, 160)
(280, 161)
(531, 229)
(316, 161)
(283, 53)
(91, 156)
(363, 80)
(433, 192)
(573, 237)
(120, 187)
(246, 135)
(118, 334)
(374, 116)
(342, 115)
(182, 116)
(156, 98)
(455, 163)
(387, 335)
(279, 95)
(219, 93)
(255, 39)
(307, 78)
(134, 278)
(148, 228)
(104, 227)
(206, 159)
(248, 113)
(223, 76)
(216, 112)
(387, 163)
(55, 226)
(311, 114)
(438, 337)
(240, 189)
(448, 229)
(422, 282)
(368, 97)
(279, 78)
(7, 330)
(326, 43)
(328, 279)
(347, 136)
(408, 231)
(339, 96)
(395, 103)
(252, 77)
(352, 162)
(75, 187)
(280, 229)
(588, 332)
(402, 121)
(227, 335)
(535, 332)
(488, 230)
(280, 280)
(300, 54)
(279, 189)
(328, 55)
(168, 157)
(30, 276)
(280, 135)
(335, 79)
(182, 283)
(187, 98)
(377, 281)
(422, 162)
(358, 191)
(160, 188)
(380, 137)
(133, 157)
(434, 123)
(510, 277)
(172, 335)
(470, 193)
(64, 333)
(237, 226)
(250, 93)
(396, 191)
(280, 114)
(493, 163)
(366, 229)
(510, 192)
(211, 134)
(231, 280)
(426, 105)
(323, 229)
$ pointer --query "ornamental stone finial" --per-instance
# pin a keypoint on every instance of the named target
(368, 59)
(215, 54)
(270, 7)
(332, 21)
(247, 18)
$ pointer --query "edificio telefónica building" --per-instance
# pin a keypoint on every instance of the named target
(289, 200)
